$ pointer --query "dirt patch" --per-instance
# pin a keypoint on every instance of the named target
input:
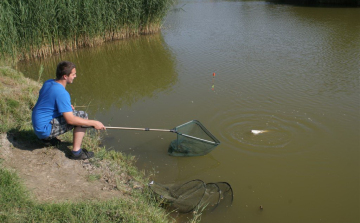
(52, 177)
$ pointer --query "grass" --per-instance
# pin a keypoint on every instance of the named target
(18, 96)
(41, 28)
(94, 177)
(13, 199)
(16, 205)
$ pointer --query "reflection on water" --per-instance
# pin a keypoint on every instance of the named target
(290, 70)
(115, 74)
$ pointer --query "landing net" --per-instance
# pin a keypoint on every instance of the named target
(193, 139)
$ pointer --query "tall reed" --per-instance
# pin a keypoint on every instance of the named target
(40, 28)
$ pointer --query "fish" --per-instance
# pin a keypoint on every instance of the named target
(255, 132)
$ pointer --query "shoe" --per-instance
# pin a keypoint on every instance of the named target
(84, 154)
(51, 142)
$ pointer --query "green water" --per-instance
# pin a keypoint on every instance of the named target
(291, 70)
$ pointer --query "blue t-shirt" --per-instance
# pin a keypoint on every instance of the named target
(53, 101)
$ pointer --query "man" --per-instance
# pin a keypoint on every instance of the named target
(54, 115)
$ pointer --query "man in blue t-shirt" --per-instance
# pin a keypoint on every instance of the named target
(54, 115)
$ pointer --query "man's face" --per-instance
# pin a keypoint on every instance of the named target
(71, 77)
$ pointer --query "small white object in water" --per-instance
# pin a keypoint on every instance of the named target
(255, 132)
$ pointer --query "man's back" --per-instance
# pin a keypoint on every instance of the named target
(53, 101)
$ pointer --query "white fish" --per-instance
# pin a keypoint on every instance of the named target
(255, 132)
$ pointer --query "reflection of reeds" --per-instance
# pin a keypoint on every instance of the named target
(37, 29)
(114, 74)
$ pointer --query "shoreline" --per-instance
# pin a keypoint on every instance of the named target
(50, 179)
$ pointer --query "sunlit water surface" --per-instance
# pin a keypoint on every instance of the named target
(290, 70)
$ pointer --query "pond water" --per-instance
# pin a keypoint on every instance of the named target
(291, 70)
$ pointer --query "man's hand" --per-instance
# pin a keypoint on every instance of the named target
(98, 125)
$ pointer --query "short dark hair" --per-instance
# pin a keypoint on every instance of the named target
(64, 68)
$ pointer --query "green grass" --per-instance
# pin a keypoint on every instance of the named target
(94, 177)
(16, 206)
(18, 95)
(40, 28)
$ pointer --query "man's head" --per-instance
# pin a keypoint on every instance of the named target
(64, 68)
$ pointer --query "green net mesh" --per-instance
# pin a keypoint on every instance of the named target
(193, 139)
(194, 194)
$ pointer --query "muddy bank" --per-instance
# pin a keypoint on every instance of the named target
(52, 177)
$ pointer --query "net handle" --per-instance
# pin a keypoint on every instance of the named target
(129, 128)
(140, 129)
(159, 130)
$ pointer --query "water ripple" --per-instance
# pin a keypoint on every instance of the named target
(286, 132)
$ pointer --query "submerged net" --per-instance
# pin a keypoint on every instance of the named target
(193, 139)
(194, 194)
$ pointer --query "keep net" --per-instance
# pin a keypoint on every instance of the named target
(194, 195)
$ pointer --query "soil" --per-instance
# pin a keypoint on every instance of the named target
(51, 176)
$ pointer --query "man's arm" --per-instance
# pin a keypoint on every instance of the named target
(71, 119)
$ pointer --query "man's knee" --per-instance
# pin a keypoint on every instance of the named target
(59, 127)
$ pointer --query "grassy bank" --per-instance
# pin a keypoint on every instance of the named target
(41, 28)
(19, 95)
(16, 206)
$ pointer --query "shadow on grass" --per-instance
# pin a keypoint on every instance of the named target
(27, 140)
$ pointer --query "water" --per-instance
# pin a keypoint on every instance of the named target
(291, 70)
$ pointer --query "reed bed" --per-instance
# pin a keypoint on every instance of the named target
(41, 28)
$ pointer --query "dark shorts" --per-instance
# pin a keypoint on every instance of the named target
(59, 125)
